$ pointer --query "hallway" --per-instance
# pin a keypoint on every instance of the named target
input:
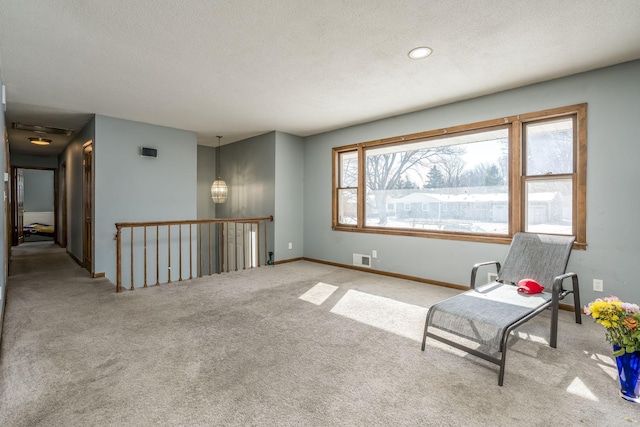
(50, 307)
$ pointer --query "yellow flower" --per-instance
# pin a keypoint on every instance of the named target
(605, 323)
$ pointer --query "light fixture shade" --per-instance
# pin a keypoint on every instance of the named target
(219, 191)
(40, 141)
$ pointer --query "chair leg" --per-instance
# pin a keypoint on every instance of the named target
(502, 363)
(424, 337)
(576, 299)
(426, 326)
(503, 350)
(553, 339)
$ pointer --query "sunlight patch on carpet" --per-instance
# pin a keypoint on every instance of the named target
(400, 318)
(579, 388)
(530, 337)
(606, 363)
(609, 370)
(319, 293)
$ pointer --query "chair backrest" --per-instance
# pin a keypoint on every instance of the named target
(540, 257)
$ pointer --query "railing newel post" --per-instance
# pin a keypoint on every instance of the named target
(145, 256)
(200, 252)
(131, 255)
(210, 248)
(118, 259)
(169, 253)
(258, 242)
(180, 251)
(157, 255)
(266, 244)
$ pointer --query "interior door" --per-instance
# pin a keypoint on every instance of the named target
(18, 205)
(87, 207)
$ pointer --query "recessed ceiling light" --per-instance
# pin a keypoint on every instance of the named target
(420, 52)
(40, 141)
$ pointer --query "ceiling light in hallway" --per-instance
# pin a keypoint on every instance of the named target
(40, 141)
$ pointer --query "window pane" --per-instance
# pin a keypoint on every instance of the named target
(348, 169)
(548, 205)
(549, 147)
(456, 184)
(348, 207)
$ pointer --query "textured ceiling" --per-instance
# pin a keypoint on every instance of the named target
(244, 67)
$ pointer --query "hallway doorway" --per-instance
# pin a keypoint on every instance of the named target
(34, 205)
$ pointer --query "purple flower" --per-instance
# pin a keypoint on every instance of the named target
(630, 308)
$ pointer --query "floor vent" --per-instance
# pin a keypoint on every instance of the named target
(362, 260)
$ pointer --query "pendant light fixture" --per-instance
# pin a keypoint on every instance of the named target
(219, 187)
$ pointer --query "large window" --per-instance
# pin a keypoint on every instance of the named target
(483, 181)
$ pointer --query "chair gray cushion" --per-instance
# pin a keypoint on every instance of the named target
(482, 314)
(536, 256)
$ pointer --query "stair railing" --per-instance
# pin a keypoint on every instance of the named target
(167, 249)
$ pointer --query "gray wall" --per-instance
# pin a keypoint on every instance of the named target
(289, 196)
(613, 97)
(130, 188)
(72, 157)
(206, 176)
(24, 160)
(206, 207)
(248, 168)
(38, 190)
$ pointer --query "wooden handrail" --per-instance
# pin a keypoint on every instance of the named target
(192, 221)
(247, 243)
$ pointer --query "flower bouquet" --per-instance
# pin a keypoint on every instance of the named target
(621, 321)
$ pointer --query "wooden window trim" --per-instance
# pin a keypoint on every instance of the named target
(336, 171)
(516, 176)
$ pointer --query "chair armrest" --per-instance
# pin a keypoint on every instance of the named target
(557, 283)
(475, 268)
(559, 293)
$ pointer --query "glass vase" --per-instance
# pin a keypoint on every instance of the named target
(628, 372)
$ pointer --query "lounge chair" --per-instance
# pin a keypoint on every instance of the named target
(486, 315)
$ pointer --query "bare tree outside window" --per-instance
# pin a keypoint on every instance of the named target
(385, 172)
(445, 177)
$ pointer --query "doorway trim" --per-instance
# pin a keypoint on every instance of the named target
(87, 206)
(15, 193)
(62, 237)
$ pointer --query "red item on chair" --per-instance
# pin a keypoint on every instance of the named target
(529, 286)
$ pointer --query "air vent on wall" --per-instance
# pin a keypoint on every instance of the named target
(148, 152)
(362, 260)
(42, 129)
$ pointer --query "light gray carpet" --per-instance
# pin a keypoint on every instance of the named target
(244, 349)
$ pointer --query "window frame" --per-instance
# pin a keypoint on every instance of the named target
(516, 180)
